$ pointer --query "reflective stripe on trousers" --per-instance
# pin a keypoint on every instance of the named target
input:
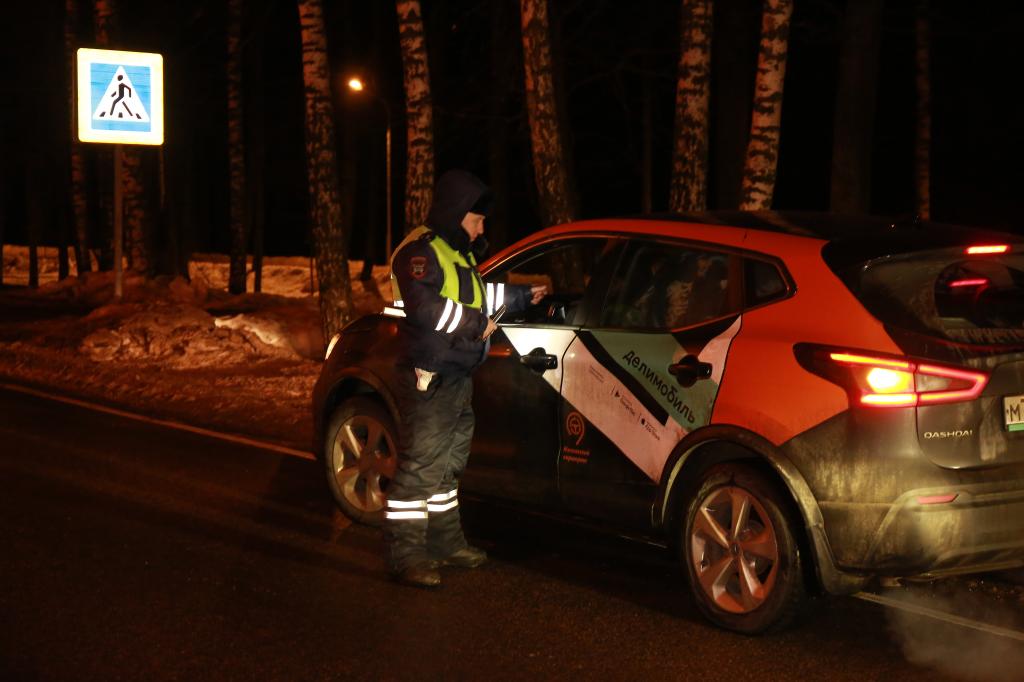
(423, 520)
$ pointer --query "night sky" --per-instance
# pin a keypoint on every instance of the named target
(608, 54)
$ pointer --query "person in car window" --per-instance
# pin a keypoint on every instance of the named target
(444, 337)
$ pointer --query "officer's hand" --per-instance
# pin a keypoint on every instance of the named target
(491, 326)
(538, 293)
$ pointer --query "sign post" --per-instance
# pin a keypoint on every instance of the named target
(120, 101)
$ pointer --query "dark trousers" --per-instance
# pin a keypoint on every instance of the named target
(422, 517)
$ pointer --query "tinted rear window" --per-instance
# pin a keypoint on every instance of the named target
(966, 299)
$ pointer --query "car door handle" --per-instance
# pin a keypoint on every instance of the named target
(539, 360)
(689, 370)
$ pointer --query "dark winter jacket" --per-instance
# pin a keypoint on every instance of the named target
(439, 334)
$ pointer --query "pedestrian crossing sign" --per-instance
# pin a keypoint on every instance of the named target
(120, 97)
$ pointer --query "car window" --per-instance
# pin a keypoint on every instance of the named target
(764, 282)
(565, 267)
(974, 300)
(665, 286)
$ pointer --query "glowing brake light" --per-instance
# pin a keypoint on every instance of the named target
(971, 384)
(888, 382)
(884, 380)
(983, 249)
(977, 282)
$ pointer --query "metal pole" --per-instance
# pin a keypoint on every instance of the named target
(118, 223)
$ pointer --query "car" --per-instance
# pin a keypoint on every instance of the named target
(796, 403)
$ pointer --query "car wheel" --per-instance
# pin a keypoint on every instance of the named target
(361, 457)
(741, 552)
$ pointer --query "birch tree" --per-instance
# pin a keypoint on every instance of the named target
(138, 225)
(855, 107)
(79, 197)
(419, 114)
(549, 158)
(763, 146)
(236, 150)
(923, 136)
(688, 190)
(255, 147)
(322, 170)
(3, 191)
(103, 17)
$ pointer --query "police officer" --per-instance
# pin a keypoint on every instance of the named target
(444, 338)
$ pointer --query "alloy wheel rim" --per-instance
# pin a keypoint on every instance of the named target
(364, 462)
(734, 550)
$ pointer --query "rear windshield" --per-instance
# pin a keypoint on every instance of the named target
(965, 299)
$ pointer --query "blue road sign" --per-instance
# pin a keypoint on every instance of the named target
(120, 97)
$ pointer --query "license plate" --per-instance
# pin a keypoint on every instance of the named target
(1013, 408)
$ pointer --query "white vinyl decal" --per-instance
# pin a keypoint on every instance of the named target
(608, 405)
(606, 402)
(551, 341)
(717, 350)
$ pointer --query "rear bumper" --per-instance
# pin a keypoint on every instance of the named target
(982, 529)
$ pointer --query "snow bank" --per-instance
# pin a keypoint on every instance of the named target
(195, 323)
(289, 276)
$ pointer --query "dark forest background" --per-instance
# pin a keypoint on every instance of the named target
(615, 72)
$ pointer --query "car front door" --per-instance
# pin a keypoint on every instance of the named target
(642, 373)
(516, 392)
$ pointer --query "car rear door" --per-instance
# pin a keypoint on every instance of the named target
(963, 309)
(642, 373)
(516, 392)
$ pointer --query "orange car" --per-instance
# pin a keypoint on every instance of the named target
(793, 401)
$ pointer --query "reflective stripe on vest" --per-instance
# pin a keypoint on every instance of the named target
(447, 258)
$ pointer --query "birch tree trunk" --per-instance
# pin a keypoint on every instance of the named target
(3, 197)
(255, 145)
(138, 226)
(763, 147)
(79, 197)
(103, 19)
(693, 91)
(322, 169)
(855, 108)
(549, 158)
(419, 114)
(923, 137)
(236, 151)
(503, 75)
(37, 210)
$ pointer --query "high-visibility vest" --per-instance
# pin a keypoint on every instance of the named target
(447, 258)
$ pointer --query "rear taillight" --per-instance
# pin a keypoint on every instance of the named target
(987, 249)
(880, 381)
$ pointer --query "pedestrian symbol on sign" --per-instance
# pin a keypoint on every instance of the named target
(121, 101)
(120, 97)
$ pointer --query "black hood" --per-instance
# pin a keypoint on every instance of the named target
(457, 192)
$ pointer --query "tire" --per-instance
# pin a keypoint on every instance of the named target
(745, 573)
(361, 431)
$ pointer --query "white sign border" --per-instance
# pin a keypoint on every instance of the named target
(155, 61)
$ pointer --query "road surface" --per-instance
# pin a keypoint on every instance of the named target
(136, 551)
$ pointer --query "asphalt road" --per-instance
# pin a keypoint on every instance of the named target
(135, 551)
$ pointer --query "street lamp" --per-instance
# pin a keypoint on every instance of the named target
(356, 85)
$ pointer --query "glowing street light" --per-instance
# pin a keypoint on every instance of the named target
(356, 84)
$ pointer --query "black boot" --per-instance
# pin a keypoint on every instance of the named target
(467, 557)
(423, 574)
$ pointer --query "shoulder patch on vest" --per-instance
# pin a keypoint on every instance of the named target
(418, 267)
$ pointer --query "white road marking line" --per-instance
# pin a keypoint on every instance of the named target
(941, 615)
(242, 440)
